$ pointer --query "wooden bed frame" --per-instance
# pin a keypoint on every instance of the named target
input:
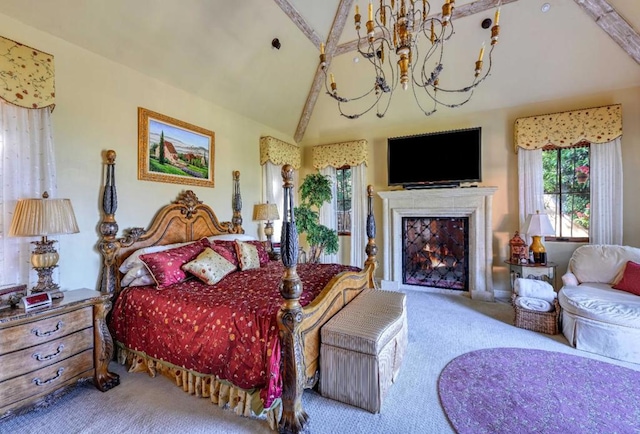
(188, 219)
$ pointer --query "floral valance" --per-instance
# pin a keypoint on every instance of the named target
(279, 152)
(595, 125)
(26, 75)
(340, 154)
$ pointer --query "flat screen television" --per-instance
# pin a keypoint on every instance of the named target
(440, 159)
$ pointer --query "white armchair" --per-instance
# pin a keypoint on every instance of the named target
(596, 317)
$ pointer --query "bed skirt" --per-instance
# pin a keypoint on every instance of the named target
(242, 402)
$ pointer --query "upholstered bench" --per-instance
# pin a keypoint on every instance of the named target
(362, 348)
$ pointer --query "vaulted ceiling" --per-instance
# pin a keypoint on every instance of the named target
(221, 50)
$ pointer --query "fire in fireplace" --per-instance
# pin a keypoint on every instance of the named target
(435, 251)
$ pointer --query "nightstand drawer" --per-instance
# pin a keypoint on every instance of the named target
(46, 379)
(44, 330)
(30, 359)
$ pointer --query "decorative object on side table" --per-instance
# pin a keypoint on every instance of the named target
(266, 212)
(11, 294)
(518, 252)
(44, 217)
(536, 226)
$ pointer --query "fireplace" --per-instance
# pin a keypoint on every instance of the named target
(469, 208)
(435, 251)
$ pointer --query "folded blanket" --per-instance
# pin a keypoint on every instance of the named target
(535, 289)
(534, 304)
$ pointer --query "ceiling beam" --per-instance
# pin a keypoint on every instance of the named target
(339, 22)
(614, 25)
(299, 21)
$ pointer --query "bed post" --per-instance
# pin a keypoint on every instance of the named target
(108, 244)
(294, 418)
(372, 248)
(236, 204)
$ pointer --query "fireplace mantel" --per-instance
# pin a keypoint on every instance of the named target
(471, 202)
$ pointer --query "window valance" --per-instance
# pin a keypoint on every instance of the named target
(279, 152)
(26, 75)
(340, 154)
(595, 125)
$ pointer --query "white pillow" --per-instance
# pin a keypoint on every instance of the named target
(133, 260)
(231, 237)
(138, 270)
(143, 280)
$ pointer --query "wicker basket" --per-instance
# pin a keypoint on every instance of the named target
(542, 322)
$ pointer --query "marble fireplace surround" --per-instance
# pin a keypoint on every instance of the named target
(471, 202)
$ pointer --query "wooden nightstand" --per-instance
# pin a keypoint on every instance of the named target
(45, 351)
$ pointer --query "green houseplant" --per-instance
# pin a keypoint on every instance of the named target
(315, 190)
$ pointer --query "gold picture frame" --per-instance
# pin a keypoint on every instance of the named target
(188, 156)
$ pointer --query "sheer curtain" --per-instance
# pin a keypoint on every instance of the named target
(272, 192)
(531, 186)
(27, 169)
(327, 213)
(606, 193)
(358, 214)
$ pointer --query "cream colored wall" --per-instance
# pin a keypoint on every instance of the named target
(96, 110)
(499, 165)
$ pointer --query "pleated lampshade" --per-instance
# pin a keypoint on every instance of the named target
(43, 217)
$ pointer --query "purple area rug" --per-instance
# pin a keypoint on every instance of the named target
(518, 390)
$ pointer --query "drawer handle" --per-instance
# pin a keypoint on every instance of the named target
(40, 358)
(39, 382)
(50, 332)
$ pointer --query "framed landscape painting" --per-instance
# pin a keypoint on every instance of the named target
(170, 150)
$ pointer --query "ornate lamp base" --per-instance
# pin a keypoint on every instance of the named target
(44, 259)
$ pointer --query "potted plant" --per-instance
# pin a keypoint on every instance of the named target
(315, 190)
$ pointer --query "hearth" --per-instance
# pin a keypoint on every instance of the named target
(472, 204)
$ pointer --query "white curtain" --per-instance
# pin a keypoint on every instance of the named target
(606, 193)
(358, 214)
(328, 216)
(27, 169)
(531, 186)
(272, 192)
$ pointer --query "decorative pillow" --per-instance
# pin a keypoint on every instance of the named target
(209, 266)
(630, 281)
(227, 249)
(247, 255)
(263, 255)
(134, 259)
(165, 266)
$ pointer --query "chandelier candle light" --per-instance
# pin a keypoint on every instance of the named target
(405, 27)
(44, 217)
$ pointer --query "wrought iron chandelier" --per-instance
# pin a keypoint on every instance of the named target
(397, 27)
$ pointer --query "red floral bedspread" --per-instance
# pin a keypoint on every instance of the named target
(229, 329)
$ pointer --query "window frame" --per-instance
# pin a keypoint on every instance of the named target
(558, 150)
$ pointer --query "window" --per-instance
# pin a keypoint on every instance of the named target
(567, 190)
(343, 199)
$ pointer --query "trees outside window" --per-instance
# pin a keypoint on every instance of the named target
(567, 190)
(343, 197)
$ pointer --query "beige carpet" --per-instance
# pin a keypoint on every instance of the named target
(441, 327)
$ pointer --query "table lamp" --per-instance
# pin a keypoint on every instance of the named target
(44, 217)
(267, 212)
(536, 226)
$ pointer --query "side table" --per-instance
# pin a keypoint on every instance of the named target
(44, 351)
(546, 272)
